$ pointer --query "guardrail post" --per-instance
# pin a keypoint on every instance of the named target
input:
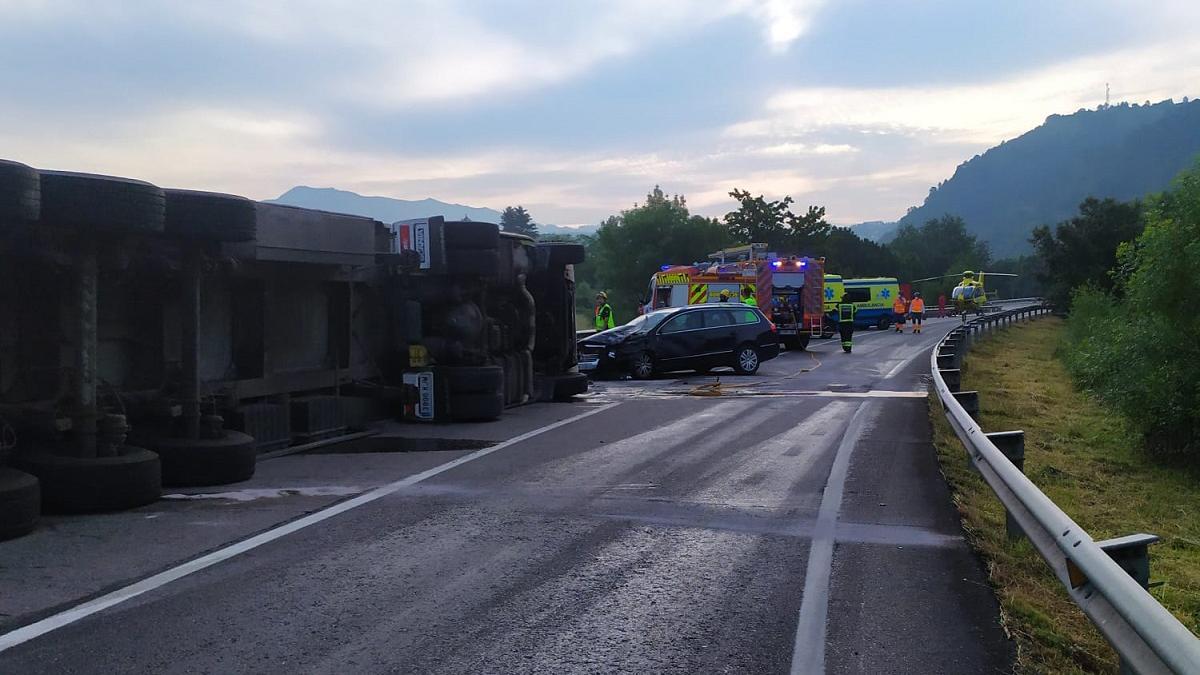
(952, 377)
(1132, 554)
(1012, 445)
(969, 400)
(946, 360)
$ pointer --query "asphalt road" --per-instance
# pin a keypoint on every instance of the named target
(796, 523)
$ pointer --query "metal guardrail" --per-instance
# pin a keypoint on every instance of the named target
(1106, 579)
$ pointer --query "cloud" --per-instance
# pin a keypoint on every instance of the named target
(575, 109)
(799, 149)
(984, 112)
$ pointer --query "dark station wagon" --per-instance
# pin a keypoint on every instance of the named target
(698, 337)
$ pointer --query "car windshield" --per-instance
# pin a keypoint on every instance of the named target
(646, 322)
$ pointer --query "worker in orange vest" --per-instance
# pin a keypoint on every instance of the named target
(916, 309)
(899, 309)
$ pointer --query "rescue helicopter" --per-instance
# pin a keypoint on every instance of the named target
(969, 295)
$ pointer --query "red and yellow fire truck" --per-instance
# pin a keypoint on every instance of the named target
(790, 290)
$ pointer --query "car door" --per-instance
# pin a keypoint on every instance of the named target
(719, 335)
(679, 339)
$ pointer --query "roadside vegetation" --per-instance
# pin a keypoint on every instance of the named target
(1091, 462)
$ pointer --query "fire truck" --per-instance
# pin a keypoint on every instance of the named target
(789, 289)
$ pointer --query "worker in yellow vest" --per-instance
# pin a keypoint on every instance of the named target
(748, 297)
(604, 315)
(899, 309)
(846, 311)
(916, 309)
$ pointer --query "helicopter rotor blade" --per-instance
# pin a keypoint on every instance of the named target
(1000, 274)
(944, 276)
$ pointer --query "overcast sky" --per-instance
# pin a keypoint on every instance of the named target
(573, 108)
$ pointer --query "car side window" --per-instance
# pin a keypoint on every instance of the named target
(746, 316)
(717, 318)
(682, 322)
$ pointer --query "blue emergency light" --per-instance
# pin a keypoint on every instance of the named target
(777, 264)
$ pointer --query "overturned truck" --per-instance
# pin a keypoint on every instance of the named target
(168, 337)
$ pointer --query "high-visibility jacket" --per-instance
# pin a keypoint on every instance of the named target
(749, 300)
(604, 317)
(917, 306)
(846, 312)
(898, 307)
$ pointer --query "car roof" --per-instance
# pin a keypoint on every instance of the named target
(714, 306)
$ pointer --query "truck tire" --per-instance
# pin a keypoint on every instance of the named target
(476, 407)
(563, 387)
(483, 263)
(101, 203)
(209, 215)
(473, 379)
(20, 503)
(190, 462)
(560, 253)
(470, 236)
(89, 484)
(20, 193)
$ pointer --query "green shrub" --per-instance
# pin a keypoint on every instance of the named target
(1141, 354)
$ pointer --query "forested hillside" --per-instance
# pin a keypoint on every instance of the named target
(1122, 151)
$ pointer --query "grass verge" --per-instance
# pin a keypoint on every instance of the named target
(1086, 460)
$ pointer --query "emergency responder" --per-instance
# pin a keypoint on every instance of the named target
(916, 309)
(942, 306)
(725, 295)
(748, 297)
(845, 321)
(899, 309)
(604, 314)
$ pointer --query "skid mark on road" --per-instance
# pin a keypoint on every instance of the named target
(774, 462)
(253, 494)
(610, 460)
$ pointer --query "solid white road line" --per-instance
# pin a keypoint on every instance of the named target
(808, 651)
(67, 617)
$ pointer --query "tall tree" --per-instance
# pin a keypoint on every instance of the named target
(850, 255)
(940, 246)
(517, 220)
(631, 247)
(1083, 250)
(773, 223)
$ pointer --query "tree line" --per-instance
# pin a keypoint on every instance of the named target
(1127, 272)
(632, 245)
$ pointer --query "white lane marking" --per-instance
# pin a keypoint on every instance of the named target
(67, 617)
(900, 366)
(808, 651)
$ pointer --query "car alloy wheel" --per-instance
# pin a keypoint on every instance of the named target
(643, 366)
(747, 360)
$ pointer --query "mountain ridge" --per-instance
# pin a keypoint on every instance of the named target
(391, 209)
(1123, 151)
